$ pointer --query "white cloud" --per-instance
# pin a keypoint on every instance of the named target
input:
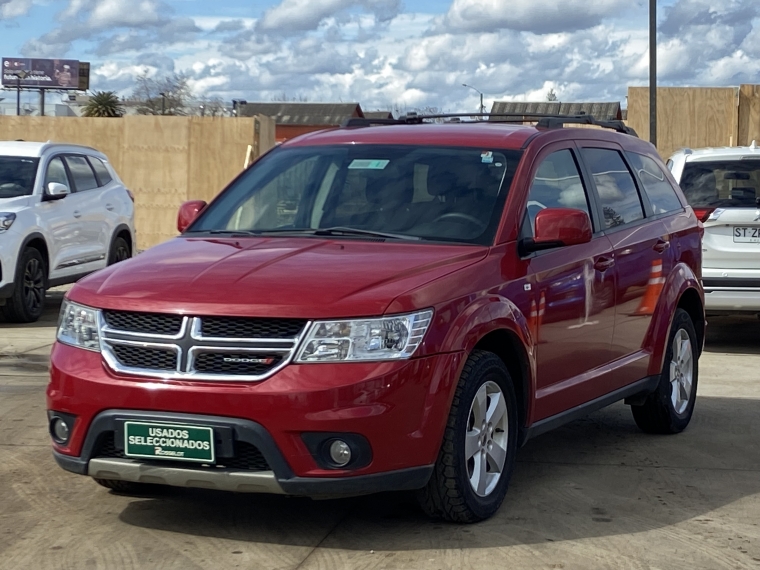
(302, 15)
(538, 16)
(14, 8)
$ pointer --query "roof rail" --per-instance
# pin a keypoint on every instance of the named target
(543, 121)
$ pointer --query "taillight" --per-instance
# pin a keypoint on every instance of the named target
(703, 213)
(131, 196)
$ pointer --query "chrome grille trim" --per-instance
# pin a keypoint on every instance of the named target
(188, 345)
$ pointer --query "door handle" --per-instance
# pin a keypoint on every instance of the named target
(109, 207)
(602, 264)
(661, 246)
(77, 214)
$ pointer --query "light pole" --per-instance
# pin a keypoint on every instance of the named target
(163, 103)
(482, 107)
(653, 72)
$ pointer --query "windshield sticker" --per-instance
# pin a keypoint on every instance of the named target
(486, 157)
(368, 164)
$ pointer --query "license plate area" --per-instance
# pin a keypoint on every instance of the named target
(743, 234)
(174, 442)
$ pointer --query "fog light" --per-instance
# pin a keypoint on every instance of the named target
(340, 453)
(60, 430)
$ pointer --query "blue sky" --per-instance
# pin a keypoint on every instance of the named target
(392, 53)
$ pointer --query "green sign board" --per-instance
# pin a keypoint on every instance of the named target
(169, 441)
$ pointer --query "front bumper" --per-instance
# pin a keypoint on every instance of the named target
(399, 407)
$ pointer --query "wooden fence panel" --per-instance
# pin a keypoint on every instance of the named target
(749, 114)
(686, 116)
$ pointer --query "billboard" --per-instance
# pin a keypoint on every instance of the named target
(40, 73)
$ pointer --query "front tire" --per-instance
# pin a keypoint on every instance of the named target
(669, 408)
(477, 456)
(28, 300)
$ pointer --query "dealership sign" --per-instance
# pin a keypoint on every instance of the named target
(41, 73)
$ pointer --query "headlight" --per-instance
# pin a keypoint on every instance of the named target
(78, 326)
(388, 338)
(6, 220)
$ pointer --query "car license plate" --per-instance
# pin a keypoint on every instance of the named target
(169, 441)
(746, 235)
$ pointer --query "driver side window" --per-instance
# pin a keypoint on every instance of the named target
(56, 172)
(557, 184)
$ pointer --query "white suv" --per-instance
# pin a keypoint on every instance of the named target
(723, 187)
(64, 213)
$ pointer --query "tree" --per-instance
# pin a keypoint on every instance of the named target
(551, 95)
(211, 107)
(166, 96)
(284, 98)
(104, 104)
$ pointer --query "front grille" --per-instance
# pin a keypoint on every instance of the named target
(145, 358)
(247, 456)
(147, 323)
(231, 327)
(236, 363)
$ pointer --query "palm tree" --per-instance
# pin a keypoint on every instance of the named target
(104, 104)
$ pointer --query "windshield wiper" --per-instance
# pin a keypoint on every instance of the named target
(343, 231)
(334, 231)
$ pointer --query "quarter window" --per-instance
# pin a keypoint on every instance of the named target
(104, 177)
(617, 192)
(661, 194)
(84, 177)
(557, 184)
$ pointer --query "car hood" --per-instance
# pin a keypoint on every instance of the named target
(283, 277)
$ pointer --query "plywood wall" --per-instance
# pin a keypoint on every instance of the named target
(162, 160)
(686, 116)
(749, 114)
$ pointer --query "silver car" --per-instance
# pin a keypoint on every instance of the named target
(723, 187)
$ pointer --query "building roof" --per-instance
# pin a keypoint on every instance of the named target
(378, 115)
(601, 111)
(326, 114)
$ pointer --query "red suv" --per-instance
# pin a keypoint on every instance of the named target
(388, 307)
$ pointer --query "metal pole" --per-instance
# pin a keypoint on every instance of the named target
(42, 102)
(653, 72)
(18, 95)
(482, 107)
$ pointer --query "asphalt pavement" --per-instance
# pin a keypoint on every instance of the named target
(596, 493)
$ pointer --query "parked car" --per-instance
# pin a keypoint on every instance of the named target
(394, 307)
(64, 213)
(722, 185)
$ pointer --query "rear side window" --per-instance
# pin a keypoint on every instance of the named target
(615, 186)
(104, 177)
(722, 184)
(84, 177)
(661, 194)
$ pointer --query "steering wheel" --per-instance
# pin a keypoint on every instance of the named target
(466, 217)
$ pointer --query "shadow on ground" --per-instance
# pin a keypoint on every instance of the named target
(733, 335)
(595, 477)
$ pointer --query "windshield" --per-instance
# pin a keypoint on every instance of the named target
(722, 184)
(17, 176)
(419, 192)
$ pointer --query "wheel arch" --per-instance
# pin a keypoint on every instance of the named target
(38, 242)
(681, 290)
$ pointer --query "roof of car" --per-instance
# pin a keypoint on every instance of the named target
(700, 154)
(37, 149)
(447, 134)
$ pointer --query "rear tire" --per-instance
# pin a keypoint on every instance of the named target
(28, 300)
(669, 409)
(477, 456)
(119, 251)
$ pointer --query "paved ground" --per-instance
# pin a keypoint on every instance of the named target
(594, 494)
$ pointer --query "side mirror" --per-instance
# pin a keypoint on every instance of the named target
(557, 227)
(56, 191)
(188, 212)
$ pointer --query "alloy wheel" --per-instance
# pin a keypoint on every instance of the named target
(487, 439)
(681, 371)
(34, 286)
